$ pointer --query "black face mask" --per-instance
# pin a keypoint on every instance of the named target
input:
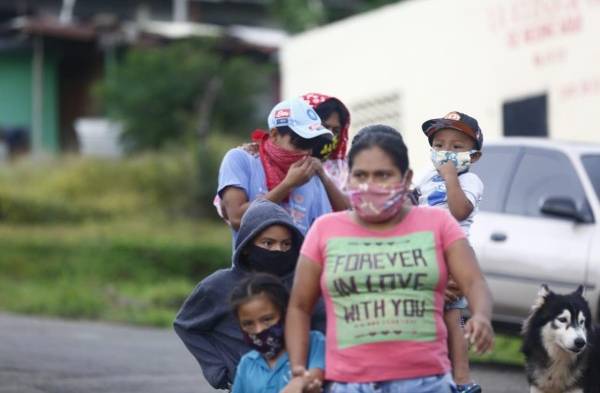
(278, 263)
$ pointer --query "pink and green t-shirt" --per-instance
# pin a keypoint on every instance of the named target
(384, 294)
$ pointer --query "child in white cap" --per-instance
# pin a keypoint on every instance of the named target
(283, 171)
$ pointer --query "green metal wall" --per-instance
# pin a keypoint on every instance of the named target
(16, 95)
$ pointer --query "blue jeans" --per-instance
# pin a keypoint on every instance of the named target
(460, 304)
(433, 384)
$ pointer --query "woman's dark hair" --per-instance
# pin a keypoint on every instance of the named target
(315, 143)
(329, 106)
(257, 284)
(384, 137)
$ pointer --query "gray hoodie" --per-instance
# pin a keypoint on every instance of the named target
(205, 322)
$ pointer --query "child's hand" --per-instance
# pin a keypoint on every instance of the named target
(300, 172)
(302, 378)
(447, 169)
(453, 292)
(313, 386)
(296, 385)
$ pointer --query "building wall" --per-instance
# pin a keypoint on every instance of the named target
(15, 90)
(16, 96)
(406, 63)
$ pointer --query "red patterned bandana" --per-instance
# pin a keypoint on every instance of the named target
(316, 99)
(276, 161)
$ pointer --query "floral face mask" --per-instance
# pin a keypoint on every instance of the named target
(269, 342)
(377, 203)
(461, 160)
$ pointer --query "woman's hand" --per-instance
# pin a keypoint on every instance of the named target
(479, 332)
(313, 386)
(465, 270)
(318, 165)
(251, 148)
(303, 384)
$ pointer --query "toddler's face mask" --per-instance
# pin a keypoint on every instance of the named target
(461, 160)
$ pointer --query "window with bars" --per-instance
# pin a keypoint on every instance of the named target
(380, 109)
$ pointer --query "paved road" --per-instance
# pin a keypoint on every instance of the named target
(54, 356)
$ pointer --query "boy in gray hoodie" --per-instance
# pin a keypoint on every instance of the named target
(205, 322)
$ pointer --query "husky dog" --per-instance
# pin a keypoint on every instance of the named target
(562, 350)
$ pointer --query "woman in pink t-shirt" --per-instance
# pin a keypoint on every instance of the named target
(382, 270)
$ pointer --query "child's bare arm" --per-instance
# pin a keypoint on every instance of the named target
(459, 205)
(338, 200)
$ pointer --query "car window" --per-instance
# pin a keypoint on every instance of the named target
(591, 164)
(495, 168)
(543, 173)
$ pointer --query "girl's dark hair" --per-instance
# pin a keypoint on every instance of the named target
(384, 137)
(329, 106)
(257, 284)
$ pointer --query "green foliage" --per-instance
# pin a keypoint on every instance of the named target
(108, 239)
(132, 271)
(299, 15)
(243, 82)
(166, 95)
(507, 350)
(33, 209)
(174, 183)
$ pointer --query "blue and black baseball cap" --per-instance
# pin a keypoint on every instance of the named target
(456, 121)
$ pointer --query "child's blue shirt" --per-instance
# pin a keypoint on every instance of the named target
(255, 376)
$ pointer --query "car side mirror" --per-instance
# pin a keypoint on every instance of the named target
(562, 207)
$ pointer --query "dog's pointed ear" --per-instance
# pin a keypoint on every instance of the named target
(544, 291)
(579, 290)
(542, 294)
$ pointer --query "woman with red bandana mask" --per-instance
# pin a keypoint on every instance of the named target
(382, 270)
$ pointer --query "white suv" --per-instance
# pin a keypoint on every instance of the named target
(538, 221)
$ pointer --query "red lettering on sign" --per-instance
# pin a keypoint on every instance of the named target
(528, 22)
(282, 113)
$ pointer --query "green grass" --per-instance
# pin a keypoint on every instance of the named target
(506, 351)
(135, 271)
(109, 239)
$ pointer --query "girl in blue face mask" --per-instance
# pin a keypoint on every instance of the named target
(259, 303)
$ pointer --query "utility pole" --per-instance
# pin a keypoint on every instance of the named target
(66, 12)
(180, 10)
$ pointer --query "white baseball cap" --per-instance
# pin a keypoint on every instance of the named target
(296, 114)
